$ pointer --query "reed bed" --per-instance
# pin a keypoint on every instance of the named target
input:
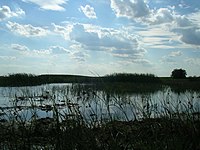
(82, 117)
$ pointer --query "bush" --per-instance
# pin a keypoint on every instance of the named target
(178, 74)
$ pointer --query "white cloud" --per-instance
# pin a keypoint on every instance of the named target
(143, 61)
(188, 28)
(114, 42)
(64, 31)
(167, 59)
(19, 47)
(79, 56)
(162, 15)
(80, 35)
(130, 9)
(78, 53)
(7, 58)
(88, 11)
(108, 40)
(189, 32)
(154, 37)
(193, 61)
(175, 53)
(52, 50)
(59, 50)
(182, 22)
(55, 5)
(87, 37)
(26, 30)
(41, 52)
(138, 10)
(24, 50)
(171, 57)
(183, 5)
(194, 17)
(191, 36)
(132, 55)
(185, 28)
(5, 12)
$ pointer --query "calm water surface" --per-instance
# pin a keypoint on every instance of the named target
(41, 101)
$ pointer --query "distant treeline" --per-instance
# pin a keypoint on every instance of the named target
(177, 85)
(129, 77)
(23, 79)
(122, 80)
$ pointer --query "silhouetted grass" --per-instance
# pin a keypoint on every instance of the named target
(130, 77)
(118, 82)
(75, 128)
(23, 79)
(181, 85)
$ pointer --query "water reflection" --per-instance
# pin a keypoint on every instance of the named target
(74, 102)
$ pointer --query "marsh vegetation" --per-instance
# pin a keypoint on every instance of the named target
(112, 114)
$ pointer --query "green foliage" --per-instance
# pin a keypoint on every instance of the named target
(19, 79)
(181, 85)
(129, 77)
(178, 74)
(118, 82)
(23, 79)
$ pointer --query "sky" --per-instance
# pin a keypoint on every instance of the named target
(99, 37)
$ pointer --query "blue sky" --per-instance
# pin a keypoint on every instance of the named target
(98, 37)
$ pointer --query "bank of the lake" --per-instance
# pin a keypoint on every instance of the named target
(123, 82)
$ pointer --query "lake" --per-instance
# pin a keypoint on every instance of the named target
(76, 102)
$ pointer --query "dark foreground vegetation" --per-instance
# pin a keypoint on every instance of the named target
(146, 134)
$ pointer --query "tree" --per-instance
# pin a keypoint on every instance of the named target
(178, 74)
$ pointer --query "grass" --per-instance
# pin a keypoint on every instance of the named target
(181, 85)
(144, 134)
(84, 118)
